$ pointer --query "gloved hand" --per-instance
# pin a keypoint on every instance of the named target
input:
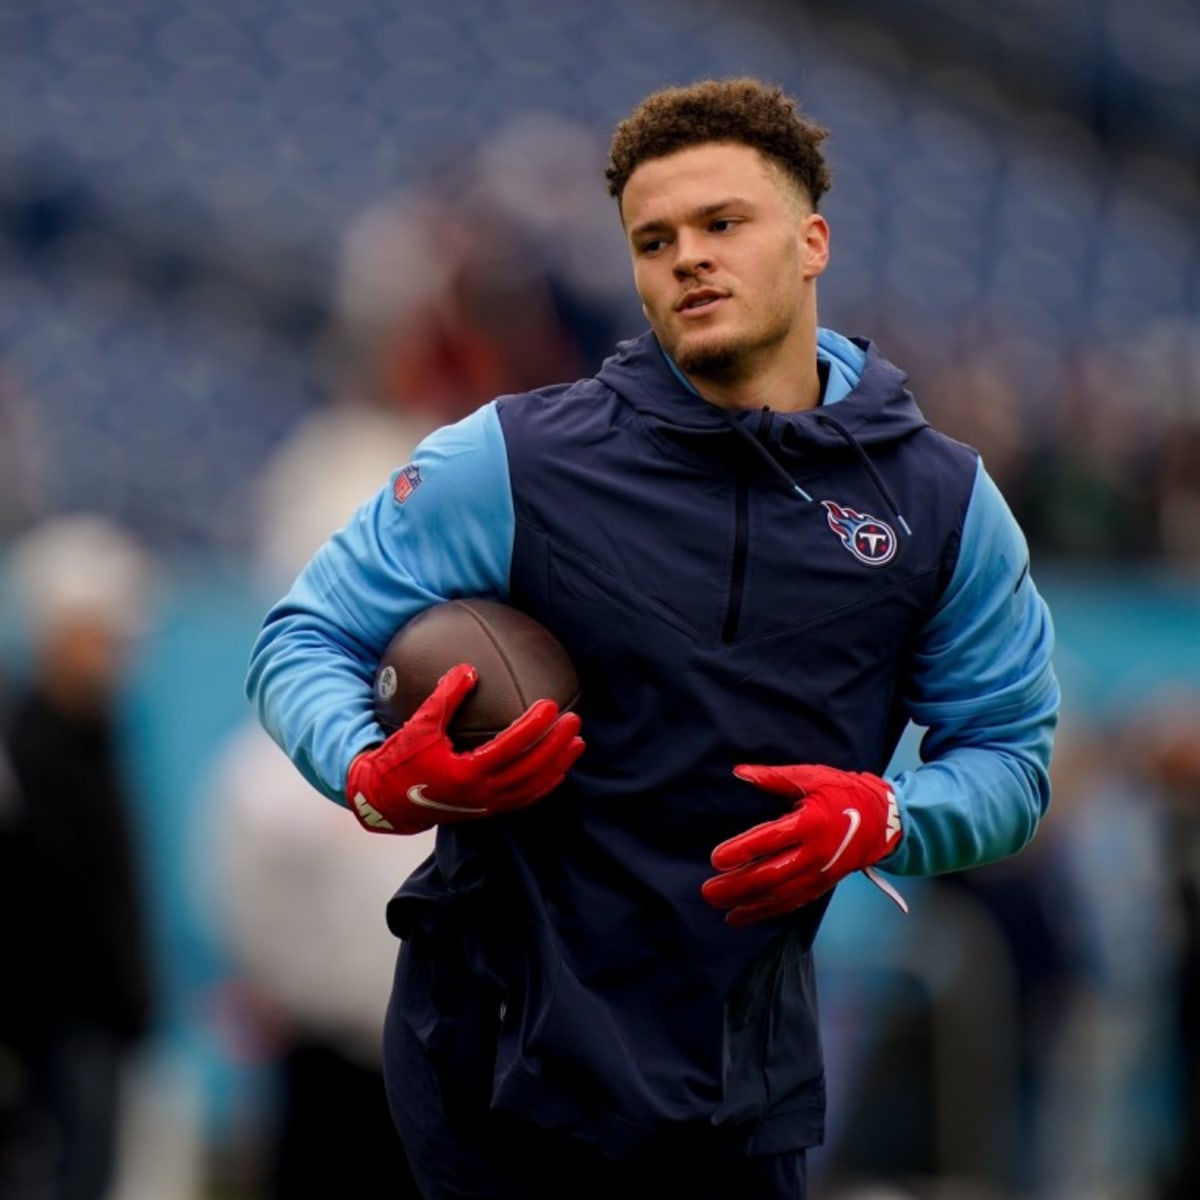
(843, 821)
(416, 779)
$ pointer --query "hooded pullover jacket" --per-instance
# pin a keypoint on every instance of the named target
(733, 586)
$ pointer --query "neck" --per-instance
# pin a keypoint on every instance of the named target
(790, 387)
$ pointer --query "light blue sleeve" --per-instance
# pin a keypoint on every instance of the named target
(312, 666)
(983, 687)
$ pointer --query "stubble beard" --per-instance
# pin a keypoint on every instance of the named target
(719, 360)
(729, 359)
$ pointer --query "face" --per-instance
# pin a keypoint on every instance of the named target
(725, 257)
(81, 662)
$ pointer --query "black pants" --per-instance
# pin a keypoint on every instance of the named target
(497, 1157)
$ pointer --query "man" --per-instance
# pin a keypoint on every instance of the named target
(764, 564)
(78, 992)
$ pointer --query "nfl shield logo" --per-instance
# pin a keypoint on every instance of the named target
(406, 483)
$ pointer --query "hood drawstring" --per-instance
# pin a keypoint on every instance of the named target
(765, 454)
(868, 465)
(824, 419)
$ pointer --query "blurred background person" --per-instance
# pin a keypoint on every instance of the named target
(1164, 743)
(79, 982)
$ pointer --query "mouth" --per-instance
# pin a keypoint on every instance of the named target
(699, 300)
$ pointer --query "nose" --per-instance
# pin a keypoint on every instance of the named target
(692, 256)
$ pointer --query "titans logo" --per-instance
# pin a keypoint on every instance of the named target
(869, 539)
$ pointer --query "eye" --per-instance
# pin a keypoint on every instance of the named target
(723, 224)
(651, 245)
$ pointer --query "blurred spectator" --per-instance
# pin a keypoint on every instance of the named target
(1165, 740)
(1104, 1129)
(442, 306)
(445, 296)
(1179, 494)
(78, 987)
(1039, 914)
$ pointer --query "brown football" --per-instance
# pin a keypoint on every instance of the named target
(518, 660)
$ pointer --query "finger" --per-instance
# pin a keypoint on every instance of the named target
(554, 755)
(758, 880)
(776, 906)
(515, 741)
(450, 691)
(785, 897)
(794, 781)
(522, 796)
(759, 841)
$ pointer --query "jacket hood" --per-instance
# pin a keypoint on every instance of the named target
(865, 395)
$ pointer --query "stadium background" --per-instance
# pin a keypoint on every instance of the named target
(192, 196)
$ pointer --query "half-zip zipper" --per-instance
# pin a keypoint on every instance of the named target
(742, 500)
(737, 581)
(741, 536)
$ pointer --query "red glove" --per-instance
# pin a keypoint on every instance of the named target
(843, 821)
(416, 779)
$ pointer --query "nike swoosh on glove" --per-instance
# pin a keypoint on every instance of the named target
(416, 779)
(843, 821)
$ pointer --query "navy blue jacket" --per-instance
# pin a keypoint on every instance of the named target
(734, 587)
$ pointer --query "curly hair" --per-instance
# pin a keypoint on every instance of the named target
(721, 110)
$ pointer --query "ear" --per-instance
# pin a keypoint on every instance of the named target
(814, 244)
